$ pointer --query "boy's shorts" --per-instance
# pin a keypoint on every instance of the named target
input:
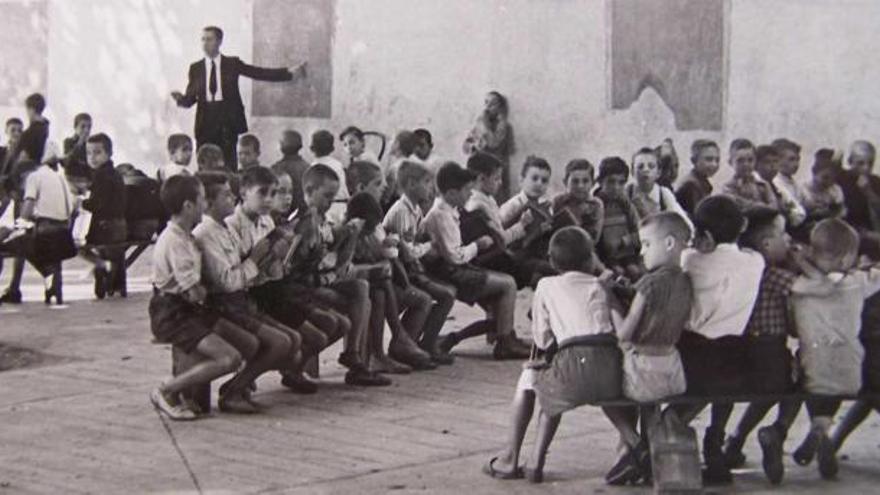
(176, 321)
(713, 366)
(770, 365)
(467, 279)
(285, 301)
(649, 376)
(238, 308)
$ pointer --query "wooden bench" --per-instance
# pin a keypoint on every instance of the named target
(675, 454)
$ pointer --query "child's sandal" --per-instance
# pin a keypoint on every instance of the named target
(489, 469)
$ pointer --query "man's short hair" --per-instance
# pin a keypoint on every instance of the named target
(322, 142)
(257, 177)
(741, 144)
(483, 164)
(104, 140)
(213, 182)
(81, 117)
(766, 151)
(355, 131)
(317, 175)
(216, 30)
(699, 145)
(669, 223)
(571, 249)
(537, 162)
(361, 173)
(785, 144)
(177, 190)
(613, 165)
(208, 156)
(291, 142)
(579, 164)
(177, 141)
(761, 219)
(452, 176)
(425, 135)
(250, 141)
(14, 121)
(721, 217)
(36, 102)
(410, 171)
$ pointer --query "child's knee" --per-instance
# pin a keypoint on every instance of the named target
(231, 361)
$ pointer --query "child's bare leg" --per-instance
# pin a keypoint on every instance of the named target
(547, 426)
(351, 298)
(403, 347)
(444, 300)
(622, 419)
(277, 350)
(246, 343)
(522, 408)
(220, 359)
(328, 323)
(499, 299)
(416, 305)
(856, 414)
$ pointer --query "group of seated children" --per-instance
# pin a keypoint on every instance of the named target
(720, 295)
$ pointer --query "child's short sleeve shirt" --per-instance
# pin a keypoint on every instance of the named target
(667, 293)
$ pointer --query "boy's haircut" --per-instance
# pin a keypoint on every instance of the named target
(761, 219)
(613, 165)
(571, 249)
(250, 141)
(78, 170)
(765, 151)
(785, 144)
(14, 120)
(699, 145)
(177, 190)
(104, 140)
(645, 150)
(216, 30)
(721, 217)
(257, 177)
(126, 169)
(502, 100)
(410, 171)
(452, 176)
(405, 143)
(36, 102)
(364, 205)
(355, 131)
(826, 159)
(280, 172)
(322, 142)
(360, 173)
(81, 117)
(669, 223)
(579, 164)
(834, 238)
(208, 155)
(537, 162)
(483, 164)
(177, 141)
(317, 175)
(864, 146)
(213, 182)
(291, 142)
(425, 134)
(741, 144)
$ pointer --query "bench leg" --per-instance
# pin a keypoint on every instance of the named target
(201, 395)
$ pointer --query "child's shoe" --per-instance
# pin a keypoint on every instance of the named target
(716, 471)
(299, 384)
(825, 456)
(11, 297)
(733, 455)
(407, 352)
(360, 376)
(805, 453)
(625, 471)
(236, 404)
(771, 448)
(388, 365)
(446, 342)
(510, 347)
(175, 412)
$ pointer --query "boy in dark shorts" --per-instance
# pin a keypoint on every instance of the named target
(450, 262)
(178, 314)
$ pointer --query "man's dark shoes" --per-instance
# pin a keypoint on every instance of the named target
(11, 297)
(771, 448)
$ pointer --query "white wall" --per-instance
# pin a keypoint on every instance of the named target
(804, 69)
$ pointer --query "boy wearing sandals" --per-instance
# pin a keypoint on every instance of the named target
(177, 310)
(571, 312)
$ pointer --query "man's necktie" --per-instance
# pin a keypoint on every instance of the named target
(212, 84)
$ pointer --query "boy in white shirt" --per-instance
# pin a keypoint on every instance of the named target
(180, 149)
(322, 146)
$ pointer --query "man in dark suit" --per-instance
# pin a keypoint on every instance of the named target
(213, 85)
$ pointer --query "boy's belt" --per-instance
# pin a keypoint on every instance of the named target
(599, 340)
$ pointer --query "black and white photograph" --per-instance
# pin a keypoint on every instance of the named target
(439, 247)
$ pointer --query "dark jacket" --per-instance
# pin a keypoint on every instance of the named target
(107, 198)
(858, 210)
(33, 141)
(230, 70)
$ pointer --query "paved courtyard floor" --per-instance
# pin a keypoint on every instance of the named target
(81, 422)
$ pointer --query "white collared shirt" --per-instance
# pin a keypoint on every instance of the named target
(218, 96)
(487, 204)
(726, 283)
(223, 269)
(443, 225)
(569, 305)
(404, 219)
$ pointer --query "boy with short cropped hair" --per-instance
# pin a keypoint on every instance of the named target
(618, 245)
(180, 150)
(248, 151)
(355, 147)
(822, 196)
(404, 219)
(74, 147)
(210, 158)
(587, 210)
(789, 162)
(424, 144)
(322, 147)
(177, 309)
(744, 187)
(705, 157)
(767, 168)
(13, 128)
(292, 164)
(32, 144)
(646, 193)
(450, 262)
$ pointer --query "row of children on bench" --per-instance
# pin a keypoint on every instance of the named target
(737, 305)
